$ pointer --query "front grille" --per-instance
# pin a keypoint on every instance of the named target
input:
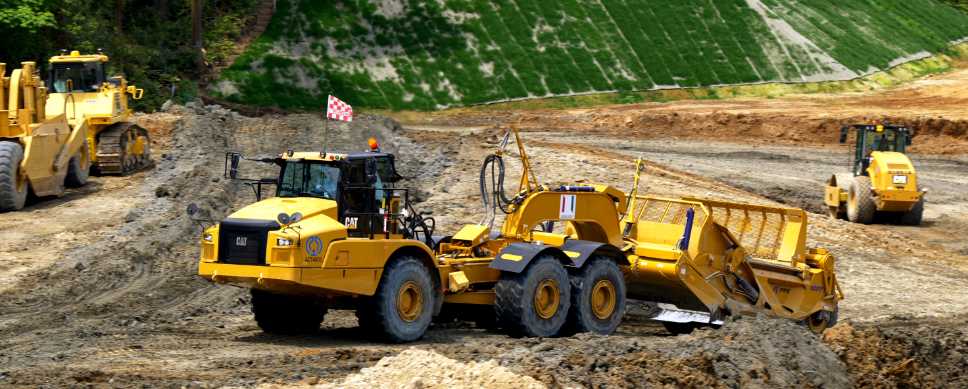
(243, 241)
(243, 247)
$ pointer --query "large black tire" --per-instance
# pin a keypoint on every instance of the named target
(286, 314)
(403, 305)
(687, 328)
(597, 298)
(913, 217)
(860, 205)
(517, 299)
(13, 194)
(819, 326)
(79, 167)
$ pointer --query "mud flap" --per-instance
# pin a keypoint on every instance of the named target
(580, 250)
(516, 256)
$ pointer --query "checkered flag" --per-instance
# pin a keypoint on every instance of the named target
(337, 109)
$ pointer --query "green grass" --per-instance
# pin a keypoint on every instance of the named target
(496, 50)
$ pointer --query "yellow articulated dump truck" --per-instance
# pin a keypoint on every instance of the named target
(40, 152)
(338, 234)
(81, 88)
(882, 180)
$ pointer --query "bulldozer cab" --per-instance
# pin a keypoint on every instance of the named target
(875, 137)
(77, 77)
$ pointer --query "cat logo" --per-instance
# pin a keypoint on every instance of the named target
(351, 222)
(240, 241)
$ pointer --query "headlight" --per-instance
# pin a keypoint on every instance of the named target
(283, 242)
(207, 237)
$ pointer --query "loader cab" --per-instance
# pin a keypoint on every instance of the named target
(875, 137)
(79, 73)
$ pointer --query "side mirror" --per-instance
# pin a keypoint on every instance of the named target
(907, 140)
(843, 138)
(283, 219)
(235, 165)
(192, 209)
(296, 217)
(369, 167)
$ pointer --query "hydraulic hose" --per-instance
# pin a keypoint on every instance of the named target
(495, 198)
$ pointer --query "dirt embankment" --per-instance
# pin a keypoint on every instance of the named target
(933, 106)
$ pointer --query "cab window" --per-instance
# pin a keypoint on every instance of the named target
(84, 77)
(309, 179)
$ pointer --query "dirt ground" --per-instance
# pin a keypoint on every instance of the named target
(101, 288)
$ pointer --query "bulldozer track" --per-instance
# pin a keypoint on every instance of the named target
(112, 149)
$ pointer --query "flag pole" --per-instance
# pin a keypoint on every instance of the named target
(326, 134)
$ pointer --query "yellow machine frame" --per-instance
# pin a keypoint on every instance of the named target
(98, 110)
(48, 141)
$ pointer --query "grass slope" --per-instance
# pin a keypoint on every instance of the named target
(404, 54)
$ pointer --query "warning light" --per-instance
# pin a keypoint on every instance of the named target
(373, 144)
(880, 128)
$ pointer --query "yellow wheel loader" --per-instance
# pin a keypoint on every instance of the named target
(39, 152)
(81, 89)
(882, 180)
(337, 234)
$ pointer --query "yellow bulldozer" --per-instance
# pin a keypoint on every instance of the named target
(80, 87)
(52, 135)
(338, 234)
(882, 181)
(40, 152)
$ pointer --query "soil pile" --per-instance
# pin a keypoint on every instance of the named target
(421, 369)
(744, 353)
(904, 352)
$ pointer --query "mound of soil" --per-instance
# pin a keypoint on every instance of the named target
(904, 352)
(745, 353)
(421, 369)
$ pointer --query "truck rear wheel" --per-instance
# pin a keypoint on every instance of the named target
(79, 167)
(13, 188)
(597, 298)
(913, 217)
(403, 305)
(860, 205)
(535, 302)
(286, 314)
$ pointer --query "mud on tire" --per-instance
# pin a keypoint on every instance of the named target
(515, 304)
(286, 314)
(12, 197)
(403, 305)
(597, 298)
(860, 205)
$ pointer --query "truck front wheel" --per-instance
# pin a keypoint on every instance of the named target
(286, 314)
(403, 305)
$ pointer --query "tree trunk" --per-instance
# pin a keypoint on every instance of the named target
(161, 9)
(197, 34)
(117, 17)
